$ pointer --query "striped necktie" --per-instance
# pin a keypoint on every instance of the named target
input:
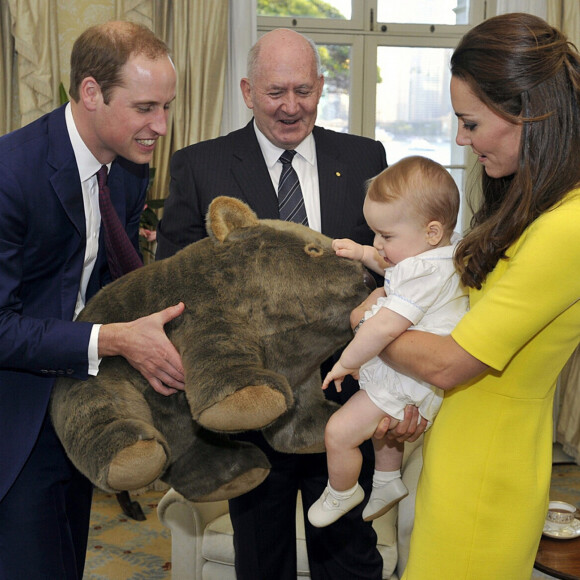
(121, 254)
(290, 200)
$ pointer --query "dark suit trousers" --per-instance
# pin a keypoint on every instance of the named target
(44, 517)
(264, 523)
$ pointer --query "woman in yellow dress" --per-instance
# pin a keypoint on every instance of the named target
(483, 491)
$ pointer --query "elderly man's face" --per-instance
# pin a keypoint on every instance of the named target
(284, 95)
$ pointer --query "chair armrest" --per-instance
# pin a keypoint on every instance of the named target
(187, 521)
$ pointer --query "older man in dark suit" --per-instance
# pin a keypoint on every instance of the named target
(52, 259)
(283, 89)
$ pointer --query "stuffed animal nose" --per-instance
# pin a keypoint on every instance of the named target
(369, 281)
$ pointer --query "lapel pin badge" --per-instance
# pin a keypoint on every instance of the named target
(338, 174)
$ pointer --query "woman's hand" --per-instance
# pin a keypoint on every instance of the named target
(358, 313)
(409, 429)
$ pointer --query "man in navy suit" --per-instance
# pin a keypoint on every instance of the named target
(283, 89)
(52, 260)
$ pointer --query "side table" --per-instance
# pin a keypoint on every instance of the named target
(559, 558)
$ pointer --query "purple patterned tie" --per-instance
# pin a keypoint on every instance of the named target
(121, 254)
(290, 200)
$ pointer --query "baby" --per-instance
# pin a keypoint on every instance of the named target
(412, 209)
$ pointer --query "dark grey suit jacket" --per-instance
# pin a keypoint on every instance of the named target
(233, 165)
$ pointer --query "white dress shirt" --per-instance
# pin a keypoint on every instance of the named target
(306, 167)
(87, 166)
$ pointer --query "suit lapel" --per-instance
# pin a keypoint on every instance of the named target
(65, 180)
(67, 187)
(251, 174)
(332, 181)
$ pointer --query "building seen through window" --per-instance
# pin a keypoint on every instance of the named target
(386, 68)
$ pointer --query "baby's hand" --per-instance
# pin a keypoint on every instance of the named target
(337, 374)
(346, 248)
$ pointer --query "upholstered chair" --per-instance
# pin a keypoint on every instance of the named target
(202, 536)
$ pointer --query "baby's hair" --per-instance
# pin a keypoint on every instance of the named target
(424, 183)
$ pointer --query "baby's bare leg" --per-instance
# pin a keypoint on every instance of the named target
(352, 424)
(388, 453)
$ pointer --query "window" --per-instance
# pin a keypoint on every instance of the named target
(386, 67)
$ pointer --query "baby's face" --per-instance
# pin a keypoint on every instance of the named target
(399, 231)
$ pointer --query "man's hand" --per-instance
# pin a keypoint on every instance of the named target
(409, 429)
(337, 374)
(145, 346)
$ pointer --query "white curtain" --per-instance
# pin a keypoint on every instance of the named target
(564, 14)
(242, 34)
(537, 7)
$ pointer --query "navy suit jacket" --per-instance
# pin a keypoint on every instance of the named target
(233, 165)
(42, 248)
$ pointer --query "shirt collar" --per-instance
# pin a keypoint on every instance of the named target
(306, 149)
(87, 163)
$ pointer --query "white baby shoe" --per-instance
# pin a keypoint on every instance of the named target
(327, 509)
(383, 498)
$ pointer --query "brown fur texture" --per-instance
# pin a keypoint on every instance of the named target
(266, 302)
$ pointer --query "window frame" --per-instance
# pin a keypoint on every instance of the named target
(363, 19)
(365, 35)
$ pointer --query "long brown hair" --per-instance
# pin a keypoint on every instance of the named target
(527, 72)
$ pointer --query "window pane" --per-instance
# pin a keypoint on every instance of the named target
(413, 112)
(424, 11)
(334, 106)
(339, 9)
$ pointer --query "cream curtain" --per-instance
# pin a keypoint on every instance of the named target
(565, 14)
(8, 95)
(568, 430)
(157, 17)
(195, 30)
(197, 33)
(35, 33)
(537, 7)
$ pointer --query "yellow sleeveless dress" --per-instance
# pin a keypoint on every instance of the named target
(483, 491)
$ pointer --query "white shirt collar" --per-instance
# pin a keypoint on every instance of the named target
(87, 163)
(306, 149)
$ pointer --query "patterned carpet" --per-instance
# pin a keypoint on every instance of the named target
(121, 548)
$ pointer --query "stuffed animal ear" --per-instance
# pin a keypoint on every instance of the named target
(226, 214)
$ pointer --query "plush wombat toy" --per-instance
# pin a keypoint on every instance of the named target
(266, 302)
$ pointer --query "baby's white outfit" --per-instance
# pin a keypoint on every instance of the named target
(426, 290)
